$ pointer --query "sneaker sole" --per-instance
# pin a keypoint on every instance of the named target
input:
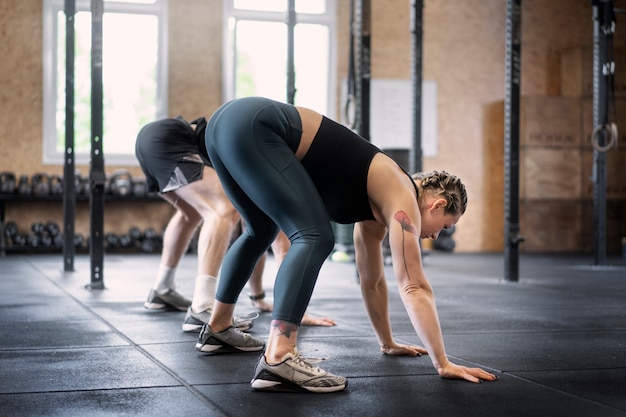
(289, 386)
(192, 327)
(160, 306)
(196, 328)
(226, 348)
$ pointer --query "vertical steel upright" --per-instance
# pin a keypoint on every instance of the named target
(291, 72)
(97, 176)
(69, 187)
(363, 67)
(512, 237)
(603, 68)
(417, 7)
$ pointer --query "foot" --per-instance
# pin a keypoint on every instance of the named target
(295, 374)
(308, 320)
(258, 301)
(194, 321)
(229, 340)
(171, 300)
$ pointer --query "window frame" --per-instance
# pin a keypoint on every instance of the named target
(51, 8)
(328, 18)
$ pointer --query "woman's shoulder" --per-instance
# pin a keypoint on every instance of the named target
(388, 184)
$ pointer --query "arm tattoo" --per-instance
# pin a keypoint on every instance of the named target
(402, 218)
(284, 327)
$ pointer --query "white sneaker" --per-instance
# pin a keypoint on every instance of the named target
(295, 374)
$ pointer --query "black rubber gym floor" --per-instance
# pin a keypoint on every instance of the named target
(556, 339)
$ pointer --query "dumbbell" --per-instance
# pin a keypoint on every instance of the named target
(111, 241)
(126, 241)
(132, 239)
(58, 241)
(45, 241)
(20, 240)
(150, 241)
(41, 231)
(134, 233)
(10, 230)
(79, 241)
(53, 232)
(38, 228)
(32, 241)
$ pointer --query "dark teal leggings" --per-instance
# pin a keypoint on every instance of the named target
(252, 143)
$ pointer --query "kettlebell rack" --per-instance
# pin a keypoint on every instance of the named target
(45, 236)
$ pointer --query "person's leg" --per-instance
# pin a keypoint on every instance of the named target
(257, 295)
(178, 233)
(280, 246)
(270, 188)
(219, 220)
(255, 284)
(219, 217)
(266, 183)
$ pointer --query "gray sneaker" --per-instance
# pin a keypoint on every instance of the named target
(194, 321)
(295, 374)
(171, 300)
(229, 340)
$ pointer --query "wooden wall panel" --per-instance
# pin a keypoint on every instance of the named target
(550, 173)
(551, 226)
(550, 121)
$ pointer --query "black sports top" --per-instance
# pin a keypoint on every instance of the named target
(338, 162)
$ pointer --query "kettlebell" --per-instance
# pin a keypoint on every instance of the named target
(7, 182)
(56, 184)
(140, 189)
(23, 186)
(41, 184)
(121, 183)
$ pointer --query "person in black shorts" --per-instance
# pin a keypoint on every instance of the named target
(290, 168)
(172, 156)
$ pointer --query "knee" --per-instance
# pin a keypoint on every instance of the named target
(187, 217)
(263, 234)
(321, 237)
(225, 215)
(327, 238)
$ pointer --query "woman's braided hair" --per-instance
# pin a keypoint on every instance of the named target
(444, 185)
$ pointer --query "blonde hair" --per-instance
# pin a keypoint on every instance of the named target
(444, 185)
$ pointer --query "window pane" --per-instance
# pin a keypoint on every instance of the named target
(311, 66)
(129, 80)
(133, 1)
(311, 6)
(262, 62)
(302, 6)
(264, 5)
(261, 59)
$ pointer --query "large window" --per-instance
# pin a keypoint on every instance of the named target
(255, 45)
(133, 73)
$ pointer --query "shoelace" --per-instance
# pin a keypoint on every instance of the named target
(308, 361)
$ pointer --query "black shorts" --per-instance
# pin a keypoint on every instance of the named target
(168, 153)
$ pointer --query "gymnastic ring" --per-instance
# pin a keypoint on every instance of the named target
(611, 130)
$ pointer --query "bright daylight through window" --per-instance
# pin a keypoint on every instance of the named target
(133, 76)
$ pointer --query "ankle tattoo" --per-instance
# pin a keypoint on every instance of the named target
(284, 327)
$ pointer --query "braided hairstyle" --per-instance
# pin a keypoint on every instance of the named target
(444, 185)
